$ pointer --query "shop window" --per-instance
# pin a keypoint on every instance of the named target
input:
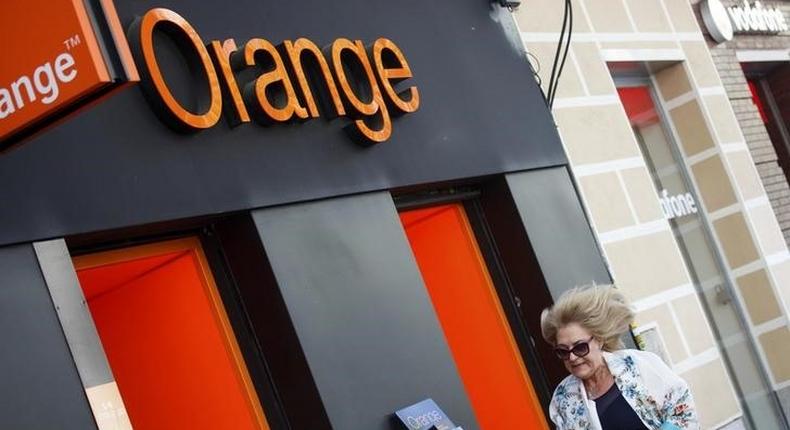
(770, 91)
(681, 208)
(167, 338)
(758, 102)
(472, 318)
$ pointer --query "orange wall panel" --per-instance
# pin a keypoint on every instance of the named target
(166, 346)
(471, 316)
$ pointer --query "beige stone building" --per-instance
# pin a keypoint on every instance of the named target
(754, 66)
(674, 198)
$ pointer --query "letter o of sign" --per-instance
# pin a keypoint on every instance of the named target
(182, 117)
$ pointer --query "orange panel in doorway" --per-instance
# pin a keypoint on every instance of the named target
(471, 316)
(167, 338)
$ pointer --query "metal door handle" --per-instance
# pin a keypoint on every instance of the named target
(722, 295)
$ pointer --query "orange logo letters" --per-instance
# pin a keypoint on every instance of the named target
(351, 80)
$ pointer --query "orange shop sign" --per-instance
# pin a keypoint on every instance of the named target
(52, 61)
(62, 64)
(352, 79)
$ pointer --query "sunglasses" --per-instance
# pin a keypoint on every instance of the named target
(580, 350)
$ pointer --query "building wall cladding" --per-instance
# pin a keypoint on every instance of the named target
(764, 156)
(638, 243)
(734, 82)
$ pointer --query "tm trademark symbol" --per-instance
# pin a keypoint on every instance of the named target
(72, 41)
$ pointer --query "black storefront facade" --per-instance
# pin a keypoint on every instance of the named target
(300, 226)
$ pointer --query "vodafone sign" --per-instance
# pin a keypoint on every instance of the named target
(716, 20)
(743, 17)
(54, 62)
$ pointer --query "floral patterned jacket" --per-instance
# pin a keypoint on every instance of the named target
(660, 398)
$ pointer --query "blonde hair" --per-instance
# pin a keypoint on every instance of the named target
(600, 309)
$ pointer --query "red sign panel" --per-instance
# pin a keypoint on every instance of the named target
(51, 59)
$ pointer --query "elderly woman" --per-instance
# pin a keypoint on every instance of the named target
(609, 387)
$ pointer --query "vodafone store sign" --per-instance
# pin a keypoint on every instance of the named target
(722, 22)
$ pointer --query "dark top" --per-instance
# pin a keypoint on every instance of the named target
(615, 413)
